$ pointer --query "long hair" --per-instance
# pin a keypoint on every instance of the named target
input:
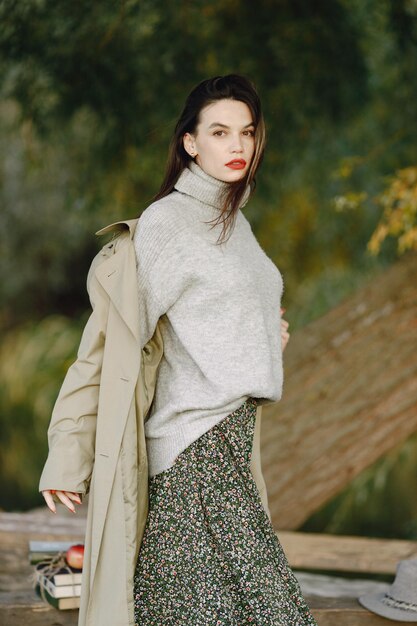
(234, 87)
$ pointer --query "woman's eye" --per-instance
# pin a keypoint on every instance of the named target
(249, 133)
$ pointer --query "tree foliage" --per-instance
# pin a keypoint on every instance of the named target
(131, 63)
(399, 219)
(33, 362)
(375, 179)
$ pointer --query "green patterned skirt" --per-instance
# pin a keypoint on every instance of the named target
(209, 554)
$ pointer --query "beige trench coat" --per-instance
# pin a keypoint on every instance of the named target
(96, 433)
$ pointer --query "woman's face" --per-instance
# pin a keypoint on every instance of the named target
(224, 140)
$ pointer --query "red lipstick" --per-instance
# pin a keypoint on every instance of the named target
(236, 164)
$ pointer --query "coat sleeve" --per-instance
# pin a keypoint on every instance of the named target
(72, 429)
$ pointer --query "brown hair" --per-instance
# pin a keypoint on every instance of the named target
(234, 87)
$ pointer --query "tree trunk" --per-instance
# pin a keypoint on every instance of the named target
(350, 395)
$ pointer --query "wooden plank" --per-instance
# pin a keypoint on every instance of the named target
(334, 600)
(26, 608)
(344, 553)
(41, 521)
(333, 612)
(331, 586)
(350, 396)
(345, 612)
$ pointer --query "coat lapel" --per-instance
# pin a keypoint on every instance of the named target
(121, 226)
(117, 276)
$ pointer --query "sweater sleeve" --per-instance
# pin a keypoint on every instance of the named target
(162, 271)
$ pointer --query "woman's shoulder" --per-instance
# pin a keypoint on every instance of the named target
(162, 220)
(166, 208)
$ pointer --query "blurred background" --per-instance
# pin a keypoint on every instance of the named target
(90, 93)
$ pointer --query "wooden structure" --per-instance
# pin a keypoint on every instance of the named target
(19, 603)
(350, 395)
(345, 554)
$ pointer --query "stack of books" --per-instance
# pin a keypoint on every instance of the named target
(54, 580)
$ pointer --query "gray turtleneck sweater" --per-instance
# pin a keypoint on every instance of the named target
(220, 315)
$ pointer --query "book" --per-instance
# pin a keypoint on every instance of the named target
(59, 603)
(62, 576)
(50, 546)
(61, 591)
(41, 550)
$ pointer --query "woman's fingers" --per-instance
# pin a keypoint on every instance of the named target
(66, 497)
(284, 325)
(73, 496)
(285, 335)
(49, 500)
(65, 500)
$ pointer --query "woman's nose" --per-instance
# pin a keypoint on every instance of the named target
(236, 145)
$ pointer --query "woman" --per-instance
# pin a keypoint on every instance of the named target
(209, 554)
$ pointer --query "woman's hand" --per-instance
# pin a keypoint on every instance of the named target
(66, 498)
(285, 335)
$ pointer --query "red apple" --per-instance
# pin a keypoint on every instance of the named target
(74, 556)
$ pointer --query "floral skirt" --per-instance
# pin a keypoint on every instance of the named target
(209, 554)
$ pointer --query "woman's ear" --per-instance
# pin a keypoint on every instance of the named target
(188, 141)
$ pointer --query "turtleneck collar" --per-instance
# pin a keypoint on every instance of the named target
(195, 182)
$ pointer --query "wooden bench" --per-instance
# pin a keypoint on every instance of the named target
(19, 604)
(357, 555)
